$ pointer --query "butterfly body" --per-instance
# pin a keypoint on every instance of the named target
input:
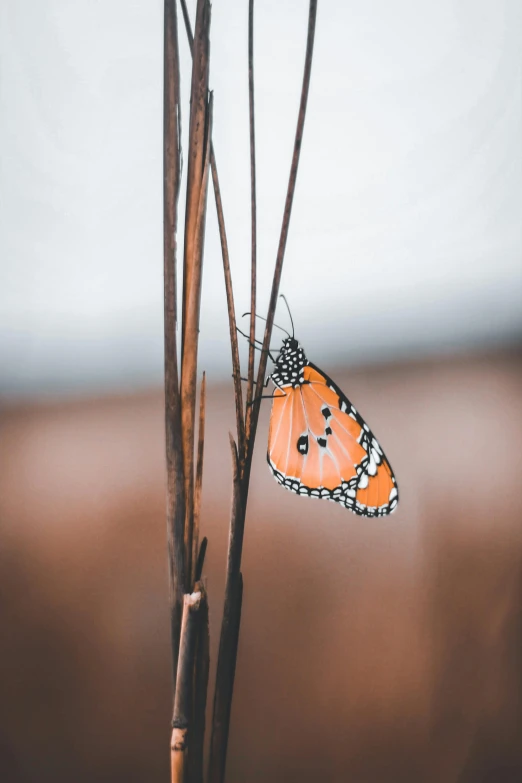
(319, 445)
(290, 365)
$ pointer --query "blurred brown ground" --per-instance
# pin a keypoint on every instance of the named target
(371, 651)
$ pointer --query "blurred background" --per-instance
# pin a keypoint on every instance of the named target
(371, 650)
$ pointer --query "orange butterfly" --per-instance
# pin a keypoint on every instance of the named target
(319, 445)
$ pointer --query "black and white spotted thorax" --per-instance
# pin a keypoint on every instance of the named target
(290, 364)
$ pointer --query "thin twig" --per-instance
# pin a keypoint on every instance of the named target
(233, 591)
(197, 179)
(197, 738)
(199, 477)
(188, 27)
(171, 186)
(236, 370)
(232, 606)
(253, 267)
(201, 558)
(284, 228)
(229, 632)
(183, 706)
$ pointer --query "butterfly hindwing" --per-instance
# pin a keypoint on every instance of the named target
(320, 446)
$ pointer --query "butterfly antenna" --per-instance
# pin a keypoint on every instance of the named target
(264, 319)
(283, 297)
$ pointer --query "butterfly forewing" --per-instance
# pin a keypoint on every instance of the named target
(320, 446)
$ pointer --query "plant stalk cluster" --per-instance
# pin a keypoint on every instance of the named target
(188, 597)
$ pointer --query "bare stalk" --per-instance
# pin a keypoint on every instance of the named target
(253, 266)
(236, 370)
(190, 632)
(183, 699)
(233, 589)
(242, 454)
(197, 180)
(188, 28)
(229, 638)
(199, 478)
(284, 228)
(171, 186)
(201, 672)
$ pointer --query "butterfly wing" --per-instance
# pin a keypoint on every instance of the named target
(320, 446)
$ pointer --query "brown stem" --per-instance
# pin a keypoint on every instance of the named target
(233, 589)
(236, 371)
(174, 456)
(201, 558)
(183, 709)
(197, 738)
(197, 180)
(253, 267)
(188, 28)
(263, 356)
(229, 632)
(199, 477)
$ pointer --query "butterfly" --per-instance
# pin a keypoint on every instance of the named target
(319, 445)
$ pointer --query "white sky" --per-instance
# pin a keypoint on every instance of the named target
(406, 232)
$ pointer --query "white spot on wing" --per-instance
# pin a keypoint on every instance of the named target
(372, 467)
(376, 446)
(375, 455)
(363, 481)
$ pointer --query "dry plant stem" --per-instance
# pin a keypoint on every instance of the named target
(197, 738)
(229, 635)
(233, 591)
(195, 305)
(199, 477)
(236, 370)
(201, 558)
(232, 607)
(222, 696)
(197, 131)
(171, 184)
(190, 642)
(197, 179)
(253, 267)
(263, 356)
(182, 714)
(186, 19)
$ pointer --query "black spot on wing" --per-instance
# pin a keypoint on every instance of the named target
(302, 444)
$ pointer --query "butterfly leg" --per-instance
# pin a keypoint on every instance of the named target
(255, 382)
(264, 396)
(254, 344)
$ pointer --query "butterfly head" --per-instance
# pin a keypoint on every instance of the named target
(290, 364)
